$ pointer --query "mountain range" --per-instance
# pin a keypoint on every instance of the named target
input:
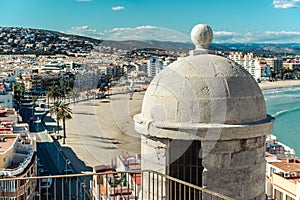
(259, 48)
(263, 48)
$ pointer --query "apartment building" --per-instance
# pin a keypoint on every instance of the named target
(154, 66)
(6, 98)
(17, 158)
(284, 179)
(275, 63)
(258, 68)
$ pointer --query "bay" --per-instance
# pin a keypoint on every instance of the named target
(284, 105)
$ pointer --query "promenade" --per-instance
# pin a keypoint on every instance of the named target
(100, 130)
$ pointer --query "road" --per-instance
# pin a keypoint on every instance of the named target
(55, 162)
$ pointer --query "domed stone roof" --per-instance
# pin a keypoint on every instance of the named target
(200, 90)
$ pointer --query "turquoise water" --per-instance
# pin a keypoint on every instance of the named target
(284, 105)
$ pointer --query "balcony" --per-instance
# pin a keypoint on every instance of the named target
(22, 159)
(109, 186)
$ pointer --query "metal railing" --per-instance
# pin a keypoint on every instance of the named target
(138, 185)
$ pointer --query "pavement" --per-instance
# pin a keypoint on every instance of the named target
(100, 130)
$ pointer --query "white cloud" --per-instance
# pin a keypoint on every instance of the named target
(84, 31)
(285, 4)
(257, 37)
(136, 33)
(117, 8)
(156, 33)
(145, 33)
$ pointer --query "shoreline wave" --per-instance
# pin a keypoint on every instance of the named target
(282, 112)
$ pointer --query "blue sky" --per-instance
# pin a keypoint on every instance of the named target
(232, 20)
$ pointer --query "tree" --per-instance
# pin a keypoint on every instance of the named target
(54, 93)
(62, 112)
(34, 100)
(19, 90)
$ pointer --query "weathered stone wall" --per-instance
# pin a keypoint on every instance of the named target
(235, 168)
(153, 158)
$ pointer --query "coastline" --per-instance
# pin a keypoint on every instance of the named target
(114, 139)
(264, 85)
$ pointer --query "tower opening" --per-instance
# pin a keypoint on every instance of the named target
(185, 163)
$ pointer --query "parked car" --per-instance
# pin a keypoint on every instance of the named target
(100, 96)
(68, 171)
(39, 164)
(43, 172)
(46, 183)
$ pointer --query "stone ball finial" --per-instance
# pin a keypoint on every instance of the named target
(202, 35)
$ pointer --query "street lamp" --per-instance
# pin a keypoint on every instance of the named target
(82, 190)
(108, 85)
(67, 163)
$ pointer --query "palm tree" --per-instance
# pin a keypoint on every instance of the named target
(55, 110)
(62, 112)
(54, 93)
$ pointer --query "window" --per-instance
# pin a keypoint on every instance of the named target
(278, 195)
(289, 198)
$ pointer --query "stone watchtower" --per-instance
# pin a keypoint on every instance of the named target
(204, 121)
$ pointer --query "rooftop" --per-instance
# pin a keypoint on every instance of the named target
(7, 141)
(287, 167)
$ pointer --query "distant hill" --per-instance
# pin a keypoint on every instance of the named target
(55, 37)
(289, 48)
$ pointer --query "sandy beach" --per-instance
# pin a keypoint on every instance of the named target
(101, 129)
(118, 130)
(278, 84)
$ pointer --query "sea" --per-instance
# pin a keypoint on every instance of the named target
(284, 105)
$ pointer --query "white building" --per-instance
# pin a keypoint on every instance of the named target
(17, 158)
(265, 69)
(154, 65)
(53, 66)
(6, 99)
(258, 68)
(21, 70)
(282, 171)
(284, 179)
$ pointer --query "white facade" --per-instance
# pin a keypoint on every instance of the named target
(284, 179)
(6, 99)
(154, 66)
(21, 70)
(258, 68)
